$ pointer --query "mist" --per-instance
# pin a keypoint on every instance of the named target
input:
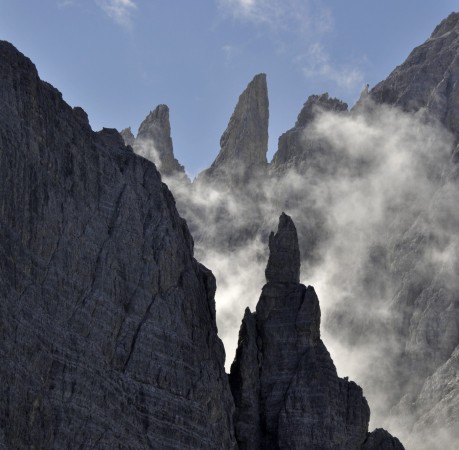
(374, 204)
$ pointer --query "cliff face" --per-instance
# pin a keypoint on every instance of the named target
(107, 322)
(428, 78)
(244, 143)
(300, 149)
(286, 389)
(154, 142)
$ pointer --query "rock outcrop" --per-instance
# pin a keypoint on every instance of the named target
(154, 142)
(244, 143)
(107, 322)
(127, 136)
(301, 150)
(428, 78)
(286, 389)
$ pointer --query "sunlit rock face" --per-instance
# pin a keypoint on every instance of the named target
(286, 389)
(154, 142)
(244, 143)
(107, 322)
(428, 78)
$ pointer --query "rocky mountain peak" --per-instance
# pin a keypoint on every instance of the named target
(284, 383)
(317, 103)
(128, 136)
(446, 26)
(244, 143)
(154, 141)
(428, 77)
(284, 258)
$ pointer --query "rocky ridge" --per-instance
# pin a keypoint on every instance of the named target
(428, 77)
(423, 309)
(107, 322)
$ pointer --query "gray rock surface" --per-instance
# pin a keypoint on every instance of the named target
(244, 143)
(154, 142)
(128, 136)
(107, 322)
(380, 439)
(286, 389)
(302, 150)
(428, 78)
(284, 253)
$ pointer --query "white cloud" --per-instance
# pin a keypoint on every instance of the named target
(65, 3)
(292, 15)
(120, 11)
(319, 65)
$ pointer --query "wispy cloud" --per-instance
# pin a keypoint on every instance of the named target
(320, 65)
(120, 11)
(293, 15)
(65, 3)
(230, 52)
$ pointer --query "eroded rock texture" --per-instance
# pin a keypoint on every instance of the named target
(286, 389)
(300, 149)
(428, 78)
(107, 322)
(244, 143)
(154, 142)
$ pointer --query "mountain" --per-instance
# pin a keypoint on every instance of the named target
(373, 191)
(107, 324)
(428, 77)
(154, 141)
(244, 143)
(286, 389)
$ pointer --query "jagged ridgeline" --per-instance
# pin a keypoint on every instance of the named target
(107, 322)
(373, 191)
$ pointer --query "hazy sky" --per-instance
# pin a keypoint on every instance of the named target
(118, 59)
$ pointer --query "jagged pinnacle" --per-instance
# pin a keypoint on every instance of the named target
(284, 253)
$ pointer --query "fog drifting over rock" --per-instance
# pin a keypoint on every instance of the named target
(386, 178)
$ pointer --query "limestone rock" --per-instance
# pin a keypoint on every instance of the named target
(244, 143)
(107, 322)
(127, 136)
(286, 389)
(297, 148)
(284, 253)
(428, 77)
(380, 439)
(154, 142)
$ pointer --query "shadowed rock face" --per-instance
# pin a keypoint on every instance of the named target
(428, 78)
(285, 386)
(107, 322)
(284, 253)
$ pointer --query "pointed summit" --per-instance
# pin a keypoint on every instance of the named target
(244, 143)
(284, 257)
(154, 141)
(286, 390)
(127, 136)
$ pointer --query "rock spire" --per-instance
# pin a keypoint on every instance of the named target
(244, 143)
(285, 386)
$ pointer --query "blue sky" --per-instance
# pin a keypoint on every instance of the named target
(118, 59)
